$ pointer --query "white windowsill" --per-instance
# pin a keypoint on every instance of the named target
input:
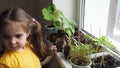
(64, 61)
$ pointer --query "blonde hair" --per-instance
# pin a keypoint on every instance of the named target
(28, 24)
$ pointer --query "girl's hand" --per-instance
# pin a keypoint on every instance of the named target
(52, 50)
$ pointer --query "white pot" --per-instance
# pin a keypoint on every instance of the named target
(77, 66)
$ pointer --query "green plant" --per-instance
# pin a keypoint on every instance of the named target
(50, 13)
(61, 23)
(56, 16)
(104, 40)
(95, 42)
(80, 54)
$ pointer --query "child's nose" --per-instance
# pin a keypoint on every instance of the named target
(12, 40)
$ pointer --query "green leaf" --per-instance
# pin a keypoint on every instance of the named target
(72, 30)
(58, 14)
(68, 32)
(57, 23)
(47, 15)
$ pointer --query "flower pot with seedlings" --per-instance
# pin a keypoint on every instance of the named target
(114, 54)
(103, 43)
(81, 52)
(107, 58)
(104, 60)
(80, 55)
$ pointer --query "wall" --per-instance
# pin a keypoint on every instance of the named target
(68, 7)
(33, 7)
(30, 6)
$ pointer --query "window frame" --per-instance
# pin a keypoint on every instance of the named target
(80, 20)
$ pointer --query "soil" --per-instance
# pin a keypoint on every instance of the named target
(50, 26)
(109, 62)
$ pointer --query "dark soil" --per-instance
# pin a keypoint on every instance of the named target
(109, 62)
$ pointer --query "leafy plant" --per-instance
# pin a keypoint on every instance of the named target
(80, 54)
(104, 40)
(51, 13)
(95, 42)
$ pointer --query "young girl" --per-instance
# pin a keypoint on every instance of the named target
(22, 38)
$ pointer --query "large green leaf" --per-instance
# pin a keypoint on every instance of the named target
(58, 14)
(47, 15)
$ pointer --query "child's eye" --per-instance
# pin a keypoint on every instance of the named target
(18, 35)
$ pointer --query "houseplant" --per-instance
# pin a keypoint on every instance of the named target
(104, 59)
(50, 13)
(96, 43)
(56, 16)
(80, 55)
(61, 24)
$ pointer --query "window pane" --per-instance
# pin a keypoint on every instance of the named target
(102, 17)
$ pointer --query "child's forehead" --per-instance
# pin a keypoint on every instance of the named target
(12, 28)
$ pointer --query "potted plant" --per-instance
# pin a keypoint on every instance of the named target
(49, 14)
(80, 52)
(62, 25)
(56, 16)
(80, 55)
(104, 59)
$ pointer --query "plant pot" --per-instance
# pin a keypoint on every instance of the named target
(59, 44)
(66, 51)
(50, 29)
(77, 66)
(109, 62)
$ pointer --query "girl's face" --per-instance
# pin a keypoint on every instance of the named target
(14, 37)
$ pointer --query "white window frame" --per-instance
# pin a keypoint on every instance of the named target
(80, 19)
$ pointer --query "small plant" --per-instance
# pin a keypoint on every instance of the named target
(80, 54)
(95, 42)
(104, 40)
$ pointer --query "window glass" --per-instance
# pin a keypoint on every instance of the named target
(102, 17)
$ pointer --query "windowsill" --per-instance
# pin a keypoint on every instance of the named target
(115, 43)
(64, 61)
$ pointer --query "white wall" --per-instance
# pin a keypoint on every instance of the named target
(68, 7)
